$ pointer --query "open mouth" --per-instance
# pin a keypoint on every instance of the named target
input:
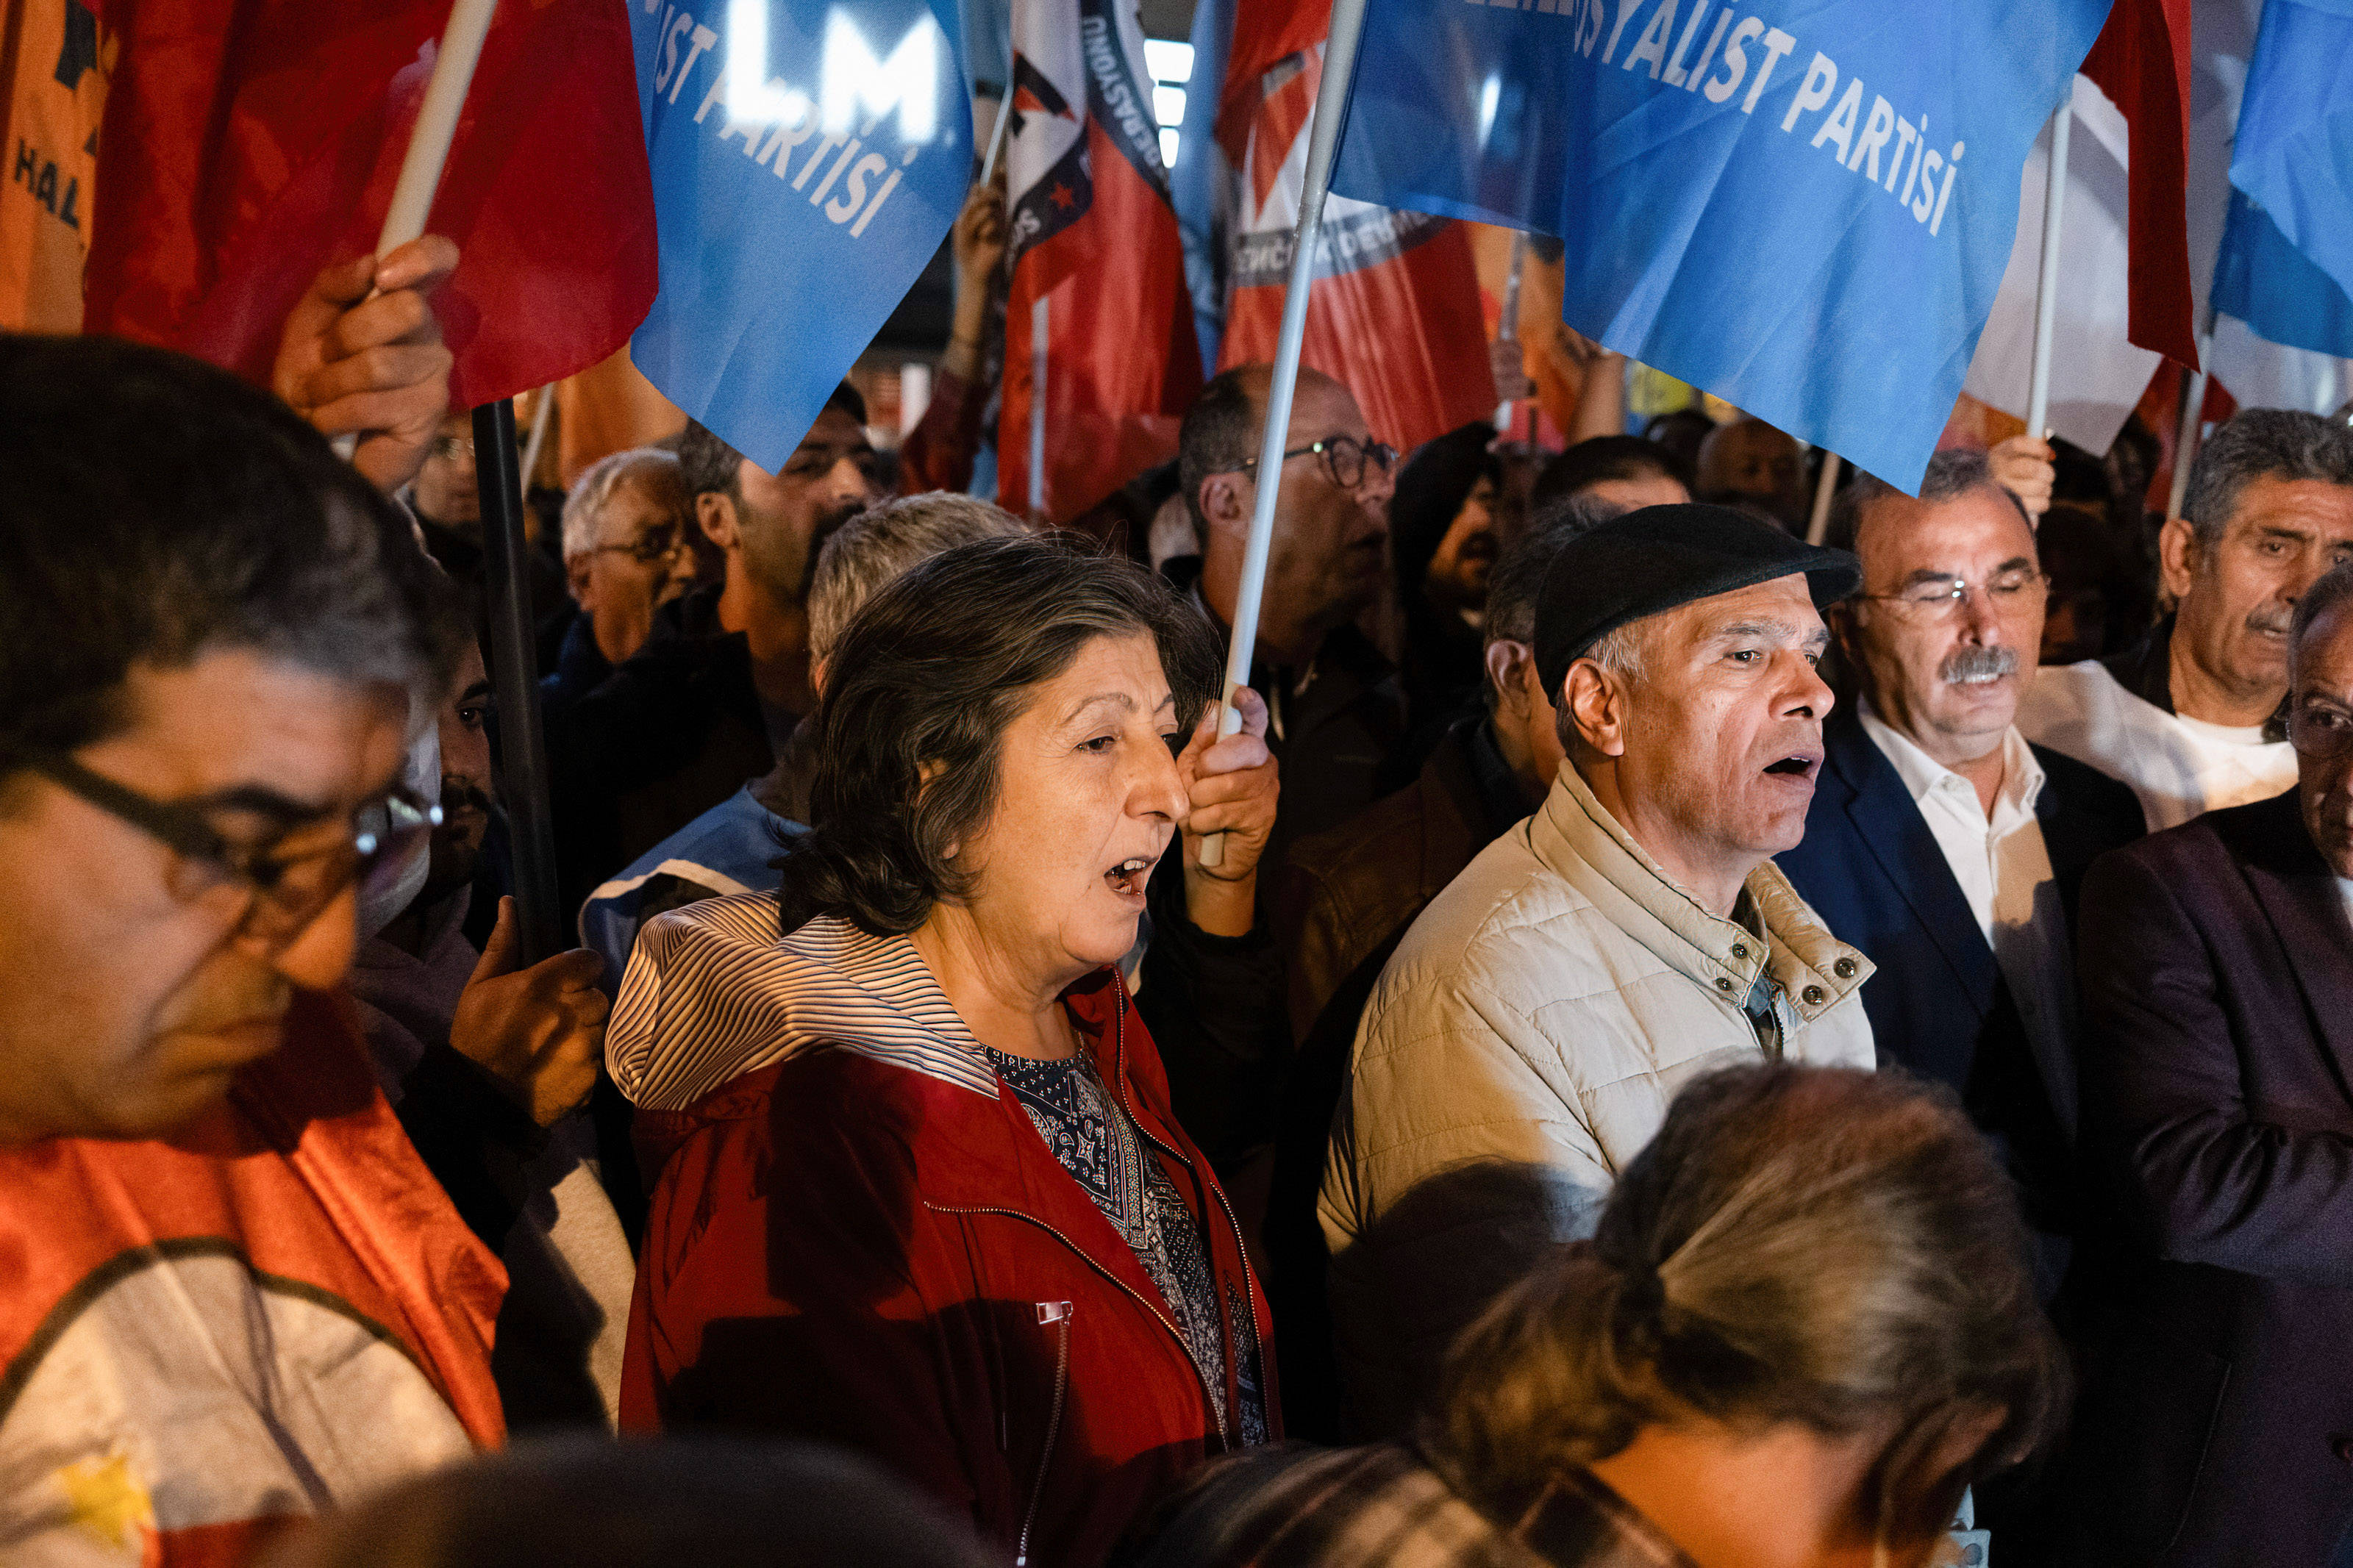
(1796, 767)
(1127, 878)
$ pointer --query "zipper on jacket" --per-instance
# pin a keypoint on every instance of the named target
(1166, 1321)
(1058, 1314)
(1251, 1294)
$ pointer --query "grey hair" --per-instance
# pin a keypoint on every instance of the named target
(2329, 591)
(1952, 473)
(2261, 443)
(1826, 1247)
(893, 539)
(657, 471)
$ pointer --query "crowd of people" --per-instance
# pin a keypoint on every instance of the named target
(1691, 1048)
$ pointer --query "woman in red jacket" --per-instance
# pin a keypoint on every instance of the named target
(921, 1191)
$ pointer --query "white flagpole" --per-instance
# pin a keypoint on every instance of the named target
(541, 416)
(2046, 291)
(1819, 524)
(1038, 406)
(1323, 137)
(428, 145)
(996, 136)
(2193, 407)
(1511, 320)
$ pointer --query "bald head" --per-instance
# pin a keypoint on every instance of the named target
(1749, 460)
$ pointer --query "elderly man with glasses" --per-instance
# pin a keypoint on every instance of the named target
(1943, 844)
(626, 552)
(2217, 968)
(1335, 710)
(232, 1293)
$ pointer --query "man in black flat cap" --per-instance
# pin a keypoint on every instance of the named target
(1525, 1039)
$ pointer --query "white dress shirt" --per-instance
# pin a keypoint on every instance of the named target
(2004, 871)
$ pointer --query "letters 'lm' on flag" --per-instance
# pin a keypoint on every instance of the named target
(50, 102)
(1393, 312)
(1802, 209)
(1094, 236)
(247, 143)
(808, 156)
(2286, 262)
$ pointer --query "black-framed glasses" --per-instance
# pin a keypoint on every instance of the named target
(287, 892)
(1942, 597)
(1346, 458)
(2323, 733)
(657, 543)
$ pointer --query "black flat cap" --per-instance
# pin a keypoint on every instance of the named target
(1651, 561)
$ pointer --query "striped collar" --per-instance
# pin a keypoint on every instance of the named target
(712, 993)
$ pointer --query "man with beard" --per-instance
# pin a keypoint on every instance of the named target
(1940, 842)
(487, 1061)
(709, 699)
(2189, 717)
(1525, 1040)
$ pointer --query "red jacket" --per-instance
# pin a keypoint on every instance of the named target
(846, 1247)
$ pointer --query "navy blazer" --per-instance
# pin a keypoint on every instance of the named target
(1938, 1006)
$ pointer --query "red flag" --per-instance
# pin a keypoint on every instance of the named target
(2141, 60)
(247, 143)
(1094, 235)
(1394, 309)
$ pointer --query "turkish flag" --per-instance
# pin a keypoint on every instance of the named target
(247, 143)
(1393, 312)
(2141, 60)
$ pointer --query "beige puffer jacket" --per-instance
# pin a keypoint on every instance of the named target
(1521, 1047)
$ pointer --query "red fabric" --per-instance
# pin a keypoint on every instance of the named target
(1123, 363)
(1404, 331)
(938, 452)
(247, 143)
(2141, 60)
(191, 1326)
(853, 1251)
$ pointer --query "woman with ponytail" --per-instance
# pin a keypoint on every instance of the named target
(1806, 1325)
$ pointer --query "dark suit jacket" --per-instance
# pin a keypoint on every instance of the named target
(1938, 1006)
(2217, 1424)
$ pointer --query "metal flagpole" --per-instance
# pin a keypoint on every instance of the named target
(1037, 320)
(428, 145)
(2046, 291)
(1323, 136)
(2193, 407)
(1819, 524)
(514, 677)
(1511, 320)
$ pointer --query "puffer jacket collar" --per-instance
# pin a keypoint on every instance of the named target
(1578, 838)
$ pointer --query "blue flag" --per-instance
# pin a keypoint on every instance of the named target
(2286, 263)
(1804, 206)
(808, 156)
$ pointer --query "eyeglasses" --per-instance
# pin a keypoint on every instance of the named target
(657, 543)
(2324, 735)
(449, 449)
(1346, 458)
(1940, 599)
(287, 892)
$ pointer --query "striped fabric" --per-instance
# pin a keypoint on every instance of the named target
(711, 993)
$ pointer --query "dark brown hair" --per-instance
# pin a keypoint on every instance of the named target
(930, 672)
(1823, 1246)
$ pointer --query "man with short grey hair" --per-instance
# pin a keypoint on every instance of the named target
(728, 849)
(2188, 716)
(1525, 1040)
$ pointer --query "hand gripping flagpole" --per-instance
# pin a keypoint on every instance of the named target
(1323, 137)
(2046, 291)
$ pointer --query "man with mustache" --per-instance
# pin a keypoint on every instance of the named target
(2217, 970)
(1940, 842)
(1524, 1041)
(2189, 717)
(488, 1062)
